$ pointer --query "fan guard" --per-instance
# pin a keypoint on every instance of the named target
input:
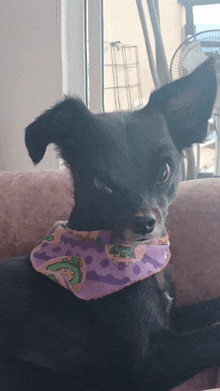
(193, 52)
(188, 56)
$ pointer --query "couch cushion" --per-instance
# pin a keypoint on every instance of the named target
(31, 203)
(194, 222)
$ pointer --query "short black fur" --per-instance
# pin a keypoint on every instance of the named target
(131, 339)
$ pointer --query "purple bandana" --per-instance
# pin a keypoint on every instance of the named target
(92, 265)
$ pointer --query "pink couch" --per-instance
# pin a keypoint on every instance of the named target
(32, 201)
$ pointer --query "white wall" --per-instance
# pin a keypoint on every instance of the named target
(31, 77)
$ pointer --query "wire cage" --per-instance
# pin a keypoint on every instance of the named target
(122, 82)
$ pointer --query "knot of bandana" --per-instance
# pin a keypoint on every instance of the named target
(92, 264)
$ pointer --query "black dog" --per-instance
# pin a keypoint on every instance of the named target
(126, 169)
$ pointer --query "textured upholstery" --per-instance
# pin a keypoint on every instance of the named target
(30, 202)
(194, 222)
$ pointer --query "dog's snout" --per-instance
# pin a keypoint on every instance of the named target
(144, 225)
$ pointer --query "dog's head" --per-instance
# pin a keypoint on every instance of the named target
(126, 165)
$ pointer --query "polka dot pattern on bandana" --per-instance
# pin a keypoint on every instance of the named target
(91, 265)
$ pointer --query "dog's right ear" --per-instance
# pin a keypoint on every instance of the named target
(187, 104)
(66, 124)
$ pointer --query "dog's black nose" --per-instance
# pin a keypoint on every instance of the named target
(144, 225)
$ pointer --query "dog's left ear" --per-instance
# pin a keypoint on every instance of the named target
(187, 104)
(69, 125)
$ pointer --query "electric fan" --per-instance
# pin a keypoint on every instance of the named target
(188, 56)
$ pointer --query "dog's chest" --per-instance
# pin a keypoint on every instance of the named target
(63, 332)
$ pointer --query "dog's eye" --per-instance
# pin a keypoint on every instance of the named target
(102, 187)
(165, 174)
